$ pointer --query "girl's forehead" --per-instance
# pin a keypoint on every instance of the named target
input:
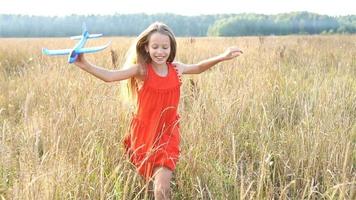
(158, 37)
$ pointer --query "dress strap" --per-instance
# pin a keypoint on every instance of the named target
(178, 74)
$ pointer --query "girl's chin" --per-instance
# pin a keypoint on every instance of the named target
(159, 62)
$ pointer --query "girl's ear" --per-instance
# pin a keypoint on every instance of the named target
(146, 48)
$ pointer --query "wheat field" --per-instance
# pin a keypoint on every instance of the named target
(279, 122)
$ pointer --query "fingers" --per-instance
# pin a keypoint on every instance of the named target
(232, 52)
(80, 61)
(235, 49)
(236, 53)
(80, 58)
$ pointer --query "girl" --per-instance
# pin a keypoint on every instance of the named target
(153, 141)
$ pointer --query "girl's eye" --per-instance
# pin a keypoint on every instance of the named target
(156, 47)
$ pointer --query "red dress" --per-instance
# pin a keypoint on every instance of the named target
(154, 132)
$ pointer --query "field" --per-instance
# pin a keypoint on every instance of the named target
(279, 122)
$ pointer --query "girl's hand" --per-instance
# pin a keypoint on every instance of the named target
(231, 53)
(81, 61)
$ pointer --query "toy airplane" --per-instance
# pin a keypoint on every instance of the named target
(78, 48)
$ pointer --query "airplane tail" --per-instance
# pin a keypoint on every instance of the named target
(84, 27)
(84, 30)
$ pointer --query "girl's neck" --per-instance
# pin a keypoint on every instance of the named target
(159, 66)
(161, 70)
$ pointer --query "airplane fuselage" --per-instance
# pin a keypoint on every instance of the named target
(74, 53)
(78, 48)
(72, 56)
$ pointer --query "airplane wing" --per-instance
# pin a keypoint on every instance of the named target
(78, 37)
(56, 52)
(92, 49)
(95, 35)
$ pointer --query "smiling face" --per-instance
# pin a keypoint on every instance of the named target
(159, 48)
(156, 45)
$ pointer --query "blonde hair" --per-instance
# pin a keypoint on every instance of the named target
(137, 54)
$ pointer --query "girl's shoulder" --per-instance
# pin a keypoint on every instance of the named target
(141, 71)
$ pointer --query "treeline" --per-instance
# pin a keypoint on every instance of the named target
(283, 24)
(109, 25)
(203, 25)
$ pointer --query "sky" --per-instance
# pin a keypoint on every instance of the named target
(182, 7)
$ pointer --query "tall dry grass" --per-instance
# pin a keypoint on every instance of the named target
(279, 122)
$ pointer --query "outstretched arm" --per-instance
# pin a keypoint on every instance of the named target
(105, 74)
(204, 65)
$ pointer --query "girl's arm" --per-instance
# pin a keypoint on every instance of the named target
(105, 74)
(204, 65)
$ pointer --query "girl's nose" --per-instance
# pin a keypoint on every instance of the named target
(160, 51)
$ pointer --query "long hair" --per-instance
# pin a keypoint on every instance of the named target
(137, 54)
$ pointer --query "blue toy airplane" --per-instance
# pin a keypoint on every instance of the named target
(78, 48)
